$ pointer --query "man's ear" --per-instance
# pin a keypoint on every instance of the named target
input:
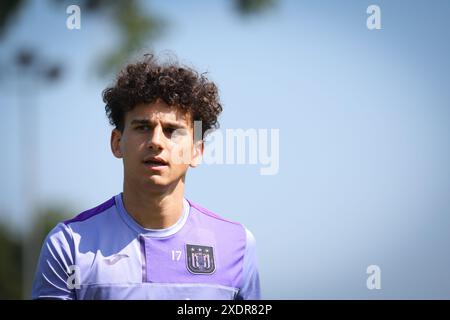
(116, 136)
(197, 154)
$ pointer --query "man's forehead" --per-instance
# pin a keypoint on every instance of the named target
(159, 113)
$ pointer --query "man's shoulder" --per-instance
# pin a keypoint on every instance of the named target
(213, 220)
(208, 214)
(91, 213)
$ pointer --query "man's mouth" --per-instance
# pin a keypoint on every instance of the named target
(155, 162)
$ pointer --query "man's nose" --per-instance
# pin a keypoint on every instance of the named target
(156, 138)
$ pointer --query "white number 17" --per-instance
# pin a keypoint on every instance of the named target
(176, 255)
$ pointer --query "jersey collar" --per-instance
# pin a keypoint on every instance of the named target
(154, 233)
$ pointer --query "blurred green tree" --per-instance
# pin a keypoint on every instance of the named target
(12, 244)
(10, 263)
(136, 27)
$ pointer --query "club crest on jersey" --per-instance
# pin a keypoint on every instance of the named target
(200, 259)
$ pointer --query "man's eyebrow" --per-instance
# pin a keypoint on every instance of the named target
(140, 121)
(165, 123)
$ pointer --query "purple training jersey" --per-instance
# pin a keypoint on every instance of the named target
(103, 253)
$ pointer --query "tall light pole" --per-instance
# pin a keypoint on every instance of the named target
(31, 70)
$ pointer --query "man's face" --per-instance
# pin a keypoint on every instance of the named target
(156, 145)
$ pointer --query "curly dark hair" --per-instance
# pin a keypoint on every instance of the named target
(147, 80)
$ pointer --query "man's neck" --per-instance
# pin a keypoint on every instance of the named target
(154, 210)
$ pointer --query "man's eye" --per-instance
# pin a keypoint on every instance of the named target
(169, 130)
(143, 128)
(175, 132)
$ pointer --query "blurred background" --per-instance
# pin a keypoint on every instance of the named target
(364, 120)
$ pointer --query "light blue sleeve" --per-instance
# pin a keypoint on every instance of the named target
(53, 269)
(250, 289)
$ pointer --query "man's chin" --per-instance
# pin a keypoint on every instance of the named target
(156, 180)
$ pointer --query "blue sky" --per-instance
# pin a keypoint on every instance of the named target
(364, 126)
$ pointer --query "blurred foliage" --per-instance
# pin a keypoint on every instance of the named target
(10, 264)
(12, 246)
(8, 9)
(137, 28)
(247, 7)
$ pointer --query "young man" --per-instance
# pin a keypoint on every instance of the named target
(149, 242)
